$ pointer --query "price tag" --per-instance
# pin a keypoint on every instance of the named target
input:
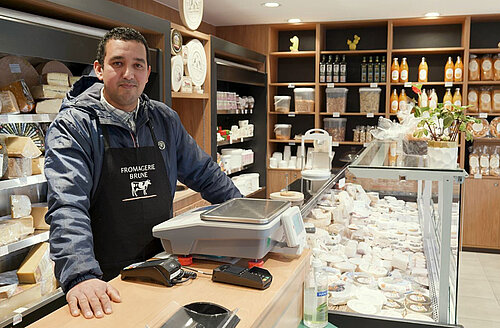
(291, 143)
(18, 318)
(365, 144)
(478, 176)
(291, 86)
(330, 85)
(407, 84)
(341, 183)
(335, 144)
(336, 114)
(373, 85)
(369, 115)
(291, 115)
(448, 84)
(483, 115)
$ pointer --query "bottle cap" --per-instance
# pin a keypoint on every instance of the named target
(255, 263)
(185, 260)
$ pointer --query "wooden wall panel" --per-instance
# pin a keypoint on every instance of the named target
(253, 37)
(190, 111)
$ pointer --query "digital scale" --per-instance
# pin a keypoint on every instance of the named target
(240, 227)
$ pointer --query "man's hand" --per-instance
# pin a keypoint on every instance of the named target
(91, 297)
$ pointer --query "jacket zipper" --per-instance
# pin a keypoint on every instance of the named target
(136, 144)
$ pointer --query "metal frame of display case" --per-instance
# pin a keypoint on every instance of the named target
(436, 225)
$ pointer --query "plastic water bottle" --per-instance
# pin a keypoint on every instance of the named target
(316, 297)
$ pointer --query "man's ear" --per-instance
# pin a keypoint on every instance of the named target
(98, 70)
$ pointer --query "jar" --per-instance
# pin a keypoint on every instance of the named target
(487, 68)
(496, 68)
(473, 101)
(282, 104)
(474, 70)
(484, 162)
(335, 127)
(355, 134)
(282, 131)
(485, 100)
(369, 99)
(495, 102)
(304, 99)
(336, 100)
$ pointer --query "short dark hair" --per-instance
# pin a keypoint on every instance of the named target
(120, 33)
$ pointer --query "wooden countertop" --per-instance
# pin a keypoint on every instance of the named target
(144, 303)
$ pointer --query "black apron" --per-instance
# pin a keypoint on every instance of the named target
(132, 196)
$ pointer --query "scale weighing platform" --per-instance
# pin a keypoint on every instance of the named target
(240, 227)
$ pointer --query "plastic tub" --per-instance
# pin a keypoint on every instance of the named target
(282, 104)
(282, 131)
(336, 100)
(369, 99)
(335, 127)
(304, 99)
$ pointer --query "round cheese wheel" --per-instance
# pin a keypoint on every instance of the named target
(391, 313)
(191, 12)
(345, 266)
(15, 68)
(358, 306)
(177, 71)
(53, 66)
(418, 298)
(196, 62)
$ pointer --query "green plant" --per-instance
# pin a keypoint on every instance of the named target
(443, 123)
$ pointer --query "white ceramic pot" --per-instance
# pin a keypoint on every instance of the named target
(442, 154)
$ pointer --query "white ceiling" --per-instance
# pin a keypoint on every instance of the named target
(247, 12)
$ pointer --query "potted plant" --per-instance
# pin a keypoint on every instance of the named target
(442, 126)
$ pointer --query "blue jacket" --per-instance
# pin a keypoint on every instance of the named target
(73, 162)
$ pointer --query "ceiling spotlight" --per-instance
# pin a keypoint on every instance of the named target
(271, 4)
(294, 20)
(432, 14)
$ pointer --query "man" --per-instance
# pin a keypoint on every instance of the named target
(113, 157)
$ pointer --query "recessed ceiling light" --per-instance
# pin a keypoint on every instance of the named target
(432, 14)
(294, 20)
(271, 4)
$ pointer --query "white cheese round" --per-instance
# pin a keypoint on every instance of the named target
(358, 306)
(197, 62)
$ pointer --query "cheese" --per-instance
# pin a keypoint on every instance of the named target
(53, 78)
(7, 291)
(400, 261)
(8, 103)
(37, 265)
(18, 146)
(38, 212)
(19, 167)
(22, 94)
(23, 295)
(20, 205)
(48, 106)
(26, 226)
(358, 306)
(46, 91)
(37, 165)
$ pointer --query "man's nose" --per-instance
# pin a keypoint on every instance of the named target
(128, 73)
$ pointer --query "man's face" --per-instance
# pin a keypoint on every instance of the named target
(124, 73)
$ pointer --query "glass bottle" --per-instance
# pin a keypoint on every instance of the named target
(403, 71)
(383, 70)
(448, 99)
(433, 99)
(394, 102)
(459, 70)
(423, 99)
(395, 71)
(376, 70)
(316, 297)
(322, 69)
(403, 99)
(423, 71)
(364, 71)
(449, 69)
(343, 70)
(370, 69)
(336, 69)
(329, 69)
(457, 98)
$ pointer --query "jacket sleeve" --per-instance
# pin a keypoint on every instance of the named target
(198, 171)
(69, 171)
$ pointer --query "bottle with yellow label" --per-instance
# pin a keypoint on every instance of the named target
(449, 70)
(395, 71)
(423, 71)
(403, 71)
(403, 99)
(448, 99)
(459, 70)
(394, 102)
(433, 99)
(423, 100)
(457, 98)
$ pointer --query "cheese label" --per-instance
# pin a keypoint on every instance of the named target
(472, 96)
(486, 65)
(15, 68)
(485, 98)
(477, 127)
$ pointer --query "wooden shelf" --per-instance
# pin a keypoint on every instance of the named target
(296, 84)
(353, 52)
(255, 192)
(485, 51)
(484, 177)
(488, 114)
(190, 34)
(281, 54)
(354, 84)
(282, 169)
(486, 140)
(297, 141)
(352, 114)
(428, 83)
(418, 51)
(186, 95)
(484, 82)
(291, 114)
(236, 141)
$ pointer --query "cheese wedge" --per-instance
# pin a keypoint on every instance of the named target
(48, 106)
(18, 146)
(20, 206)
(23, 295)
(46, 91)
(37, 165)
(18, 168)
(8, 103)
(38, 212)
(60, 79)
(37, 265)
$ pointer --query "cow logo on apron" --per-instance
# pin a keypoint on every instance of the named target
(139, 188)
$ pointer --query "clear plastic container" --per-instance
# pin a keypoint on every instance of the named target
(282, 103)
(336, 100)
(304, 99)
(335, 127)
(282, 131)
(485, 100)
(369, 100)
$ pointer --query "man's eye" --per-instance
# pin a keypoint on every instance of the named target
(117, 64)
(139, 66)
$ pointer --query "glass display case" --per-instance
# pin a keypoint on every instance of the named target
(399, 238)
